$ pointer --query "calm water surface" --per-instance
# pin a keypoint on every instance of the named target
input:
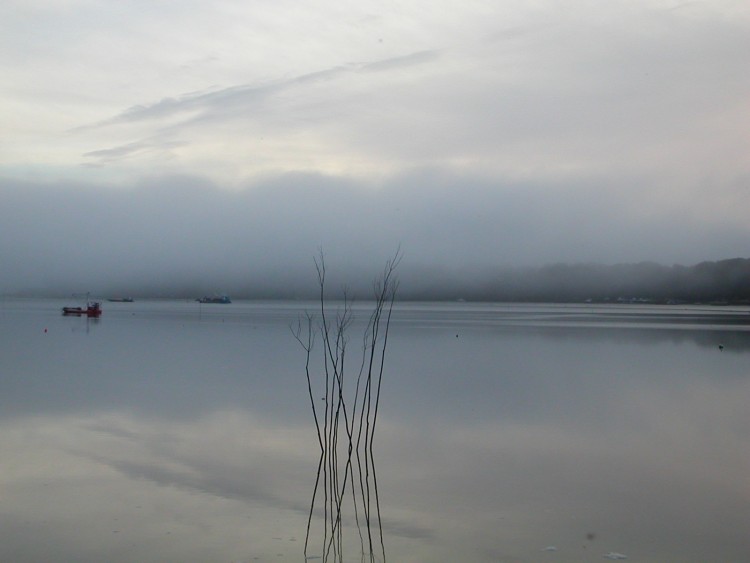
(172, 431)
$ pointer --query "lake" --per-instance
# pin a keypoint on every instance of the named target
(173, 431)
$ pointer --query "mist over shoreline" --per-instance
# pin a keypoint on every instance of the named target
(461, 236)
(721, 282)
(184, 237)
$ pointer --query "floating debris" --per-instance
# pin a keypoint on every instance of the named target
(614, 555)
(550, 548)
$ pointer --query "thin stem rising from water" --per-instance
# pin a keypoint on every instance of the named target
(347, 432)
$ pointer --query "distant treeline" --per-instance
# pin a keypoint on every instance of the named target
(725, 281)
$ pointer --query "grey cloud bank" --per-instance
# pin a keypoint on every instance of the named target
(184, 236)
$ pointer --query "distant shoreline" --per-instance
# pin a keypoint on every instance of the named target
(721, 283)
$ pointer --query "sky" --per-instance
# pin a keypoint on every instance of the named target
(215, 144)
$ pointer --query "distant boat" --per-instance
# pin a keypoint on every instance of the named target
(219, 299)
(93, 309)
(120, 299)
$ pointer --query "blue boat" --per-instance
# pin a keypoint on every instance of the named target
(220, 299)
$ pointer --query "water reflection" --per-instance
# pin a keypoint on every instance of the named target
(659, 484)
(191, 440)
(118, 487)
(82, 323)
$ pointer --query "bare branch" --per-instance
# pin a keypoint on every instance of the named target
(350, 415)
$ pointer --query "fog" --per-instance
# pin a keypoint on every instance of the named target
(184, 236)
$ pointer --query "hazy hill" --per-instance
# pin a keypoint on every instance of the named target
(725, 281)
(722, 281)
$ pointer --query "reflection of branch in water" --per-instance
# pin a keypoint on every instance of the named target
(349, 415)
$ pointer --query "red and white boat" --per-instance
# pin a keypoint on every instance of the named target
(92, 309)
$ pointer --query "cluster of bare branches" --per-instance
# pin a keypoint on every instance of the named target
(345, 422)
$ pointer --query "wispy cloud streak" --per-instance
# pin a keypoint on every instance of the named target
(248, 94)
(114, 154)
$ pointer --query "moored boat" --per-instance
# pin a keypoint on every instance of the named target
(93, 309)
(219, 299)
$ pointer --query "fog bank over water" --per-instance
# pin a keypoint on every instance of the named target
(184, 236)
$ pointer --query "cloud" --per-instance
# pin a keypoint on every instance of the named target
(402, 62)
(618, 91)
(114, 154)
(473, 137)
(243, 97)
(185, 235)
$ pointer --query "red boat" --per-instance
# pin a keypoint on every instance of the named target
(93, 309)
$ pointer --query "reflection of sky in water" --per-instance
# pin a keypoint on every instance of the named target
(173, 432)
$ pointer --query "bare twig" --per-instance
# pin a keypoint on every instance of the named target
(348, 415)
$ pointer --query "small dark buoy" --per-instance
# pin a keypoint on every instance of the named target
(721, 346)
